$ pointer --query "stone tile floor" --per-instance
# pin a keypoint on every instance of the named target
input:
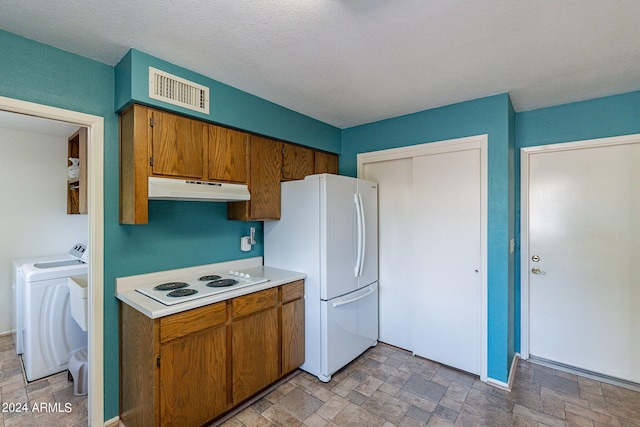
(384, 387)
(388, 387)
(46, 402)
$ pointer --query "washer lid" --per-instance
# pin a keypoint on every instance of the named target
(32, 273)
(54, 264)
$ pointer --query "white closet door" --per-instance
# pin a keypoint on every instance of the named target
(445, 263)
(394, 178)
(584, 253)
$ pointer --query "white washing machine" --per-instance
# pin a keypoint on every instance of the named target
(45, 332)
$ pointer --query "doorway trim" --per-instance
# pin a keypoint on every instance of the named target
(95, 201)
(459, 144)
(525, 158)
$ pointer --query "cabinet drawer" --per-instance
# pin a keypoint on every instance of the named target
(188, 322)
(254, 302)
(292, 291)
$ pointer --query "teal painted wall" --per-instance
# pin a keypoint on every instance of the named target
(182, 234)
(179, 234)
(514, 322)
(493, 116)
(229, 106)
(596, 118)
(41, 74)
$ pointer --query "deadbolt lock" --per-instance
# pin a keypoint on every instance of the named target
(535, 258)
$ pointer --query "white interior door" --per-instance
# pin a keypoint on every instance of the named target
(446, 261)
(394, 178)
(583, 258)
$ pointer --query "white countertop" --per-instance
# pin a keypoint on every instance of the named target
(153, 309)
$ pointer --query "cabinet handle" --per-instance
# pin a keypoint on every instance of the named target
(158, 361)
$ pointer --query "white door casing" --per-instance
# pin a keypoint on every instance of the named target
(580, 210)
(95, 202)
(402, 246)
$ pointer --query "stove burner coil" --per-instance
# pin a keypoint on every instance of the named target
(170, 286)
(182, 293)
(222, 283)
(209, 277)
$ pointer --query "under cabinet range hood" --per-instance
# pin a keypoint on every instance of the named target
(180, 189)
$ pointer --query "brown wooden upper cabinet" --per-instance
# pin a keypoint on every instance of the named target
(228, 151)
(265, 166)
(77, 186)
(177, 146)
(297, 162)
(326, 162)
(157, 143)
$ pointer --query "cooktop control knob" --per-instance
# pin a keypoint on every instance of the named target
(239, 274)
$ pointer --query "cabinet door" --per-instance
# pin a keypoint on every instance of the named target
(139, 348)
(255, 353)
(292, 335)
(193, 378)
(326, 162)
(265, 164)
(297, 162)
(228, 151)
(177, 146)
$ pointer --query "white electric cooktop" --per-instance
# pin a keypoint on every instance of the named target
(179, 291)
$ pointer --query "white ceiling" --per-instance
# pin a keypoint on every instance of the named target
(30, 124)
(348, 62)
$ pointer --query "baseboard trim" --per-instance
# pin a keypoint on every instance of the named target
(113, 422)
(512, 375)
(585, 373)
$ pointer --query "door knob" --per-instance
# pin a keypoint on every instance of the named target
(536, 270)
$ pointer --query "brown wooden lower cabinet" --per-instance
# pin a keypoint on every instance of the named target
(191, 367)
(193, 383)
(255, 353)
(292, 330)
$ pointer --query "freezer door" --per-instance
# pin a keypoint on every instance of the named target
(338, 213)
(349, 327)
(368, 195)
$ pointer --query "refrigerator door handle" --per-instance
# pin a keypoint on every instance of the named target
(372, 289)
(363, 240)
(359, 231)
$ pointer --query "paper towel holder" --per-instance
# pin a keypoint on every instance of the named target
(247, 242)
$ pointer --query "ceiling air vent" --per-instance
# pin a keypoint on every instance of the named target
(177, 91)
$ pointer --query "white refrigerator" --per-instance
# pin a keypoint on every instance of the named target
(328, 228)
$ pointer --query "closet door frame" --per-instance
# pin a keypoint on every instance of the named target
(459, 144)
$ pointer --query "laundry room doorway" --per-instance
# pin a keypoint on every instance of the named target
(95, 235)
